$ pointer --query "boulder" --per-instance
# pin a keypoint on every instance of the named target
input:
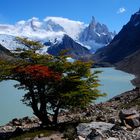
(85, 129)
(95, 135)
(26, 120)
(101, 118)
(16, 122)
(130, 118)
(128, 112)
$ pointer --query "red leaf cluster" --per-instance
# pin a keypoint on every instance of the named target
(38, 72)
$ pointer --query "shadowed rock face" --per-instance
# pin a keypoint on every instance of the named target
(73, 48)
(124, 44)
(4, 53)
(3, 49)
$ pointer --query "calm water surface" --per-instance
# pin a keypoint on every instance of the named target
(113, 82)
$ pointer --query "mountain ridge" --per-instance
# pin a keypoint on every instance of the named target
(125, 43)
(52, 28)
(72, 48)
(96, 34)
(124, 50)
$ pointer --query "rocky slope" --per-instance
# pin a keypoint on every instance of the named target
(124, 44)
(131, 64)
(116, 119)
(73, 48)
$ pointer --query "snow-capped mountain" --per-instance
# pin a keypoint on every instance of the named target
(49, 28)
(96, 35)
(74, 49)
(71, 28)
(125, 47)
(52, 29)
(10, 42)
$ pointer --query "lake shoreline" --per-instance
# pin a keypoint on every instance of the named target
(116, 81)
(103, 112)
(135, 72)
(14, 105)
(109, 109)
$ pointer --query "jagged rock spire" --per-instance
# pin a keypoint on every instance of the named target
(93, 21)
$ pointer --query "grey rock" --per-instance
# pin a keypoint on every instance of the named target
(106, 131)
(130, 118)
(84, 129)
(128, 112)
(112, 120)
(16, 122)
(101, 118)
(116, 127)
(94, 135)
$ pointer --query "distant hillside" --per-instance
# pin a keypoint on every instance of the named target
(131, 64)
(73, 48)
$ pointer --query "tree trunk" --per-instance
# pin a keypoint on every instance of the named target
(40, 113)
(43, 110)
(55, 116)
(44, 119)
(34, 102)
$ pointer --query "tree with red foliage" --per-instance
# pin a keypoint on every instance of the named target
(51, 83)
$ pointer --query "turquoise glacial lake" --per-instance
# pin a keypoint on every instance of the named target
(113, 82)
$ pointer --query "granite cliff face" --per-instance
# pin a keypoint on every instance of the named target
(124, 44)
(96, 35)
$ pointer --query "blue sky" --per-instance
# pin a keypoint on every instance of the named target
(113, 13)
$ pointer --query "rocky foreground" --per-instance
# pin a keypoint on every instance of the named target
(116, 119)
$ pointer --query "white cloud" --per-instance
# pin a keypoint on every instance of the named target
(121, 10)
(72, 28)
